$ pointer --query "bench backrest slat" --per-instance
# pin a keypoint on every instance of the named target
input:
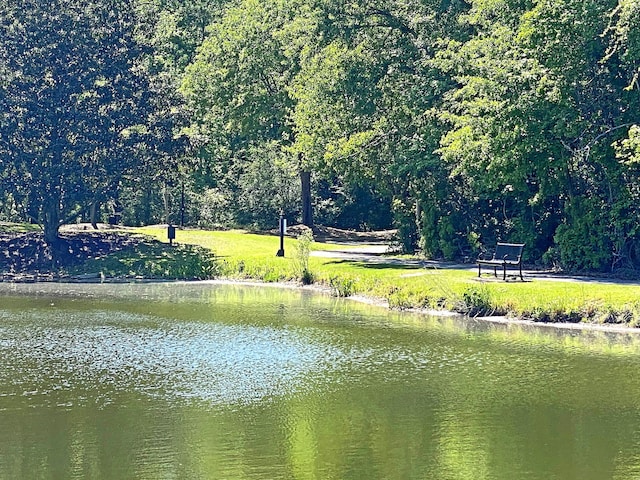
(508, 251)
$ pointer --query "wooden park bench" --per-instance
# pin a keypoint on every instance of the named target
(506, 254)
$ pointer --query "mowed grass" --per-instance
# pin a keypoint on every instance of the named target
(240, 254)
(244, 255)
(7, 227)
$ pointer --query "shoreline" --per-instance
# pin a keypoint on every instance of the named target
(325, 290)
(379, 302)
(570, 307)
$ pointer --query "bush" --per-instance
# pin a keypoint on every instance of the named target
(342, 287)
(301, 257)
(214, 209)
(476, 300)
(405, 223)
(584, 242)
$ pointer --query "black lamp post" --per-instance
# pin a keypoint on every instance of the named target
(282, 229)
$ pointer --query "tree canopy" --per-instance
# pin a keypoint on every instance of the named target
(459, 122)
(77, 106)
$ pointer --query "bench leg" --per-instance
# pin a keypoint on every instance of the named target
(521, 277)
(504, 272)
(495, 272)
(479, 270)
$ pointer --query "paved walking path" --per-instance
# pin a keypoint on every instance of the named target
(378, 253)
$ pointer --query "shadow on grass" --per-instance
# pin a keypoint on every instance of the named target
(375, 265)
(154, 259)
(109, 253)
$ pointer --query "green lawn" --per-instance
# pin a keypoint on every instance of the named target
(247, 255)
(243, 255)
(6, 227)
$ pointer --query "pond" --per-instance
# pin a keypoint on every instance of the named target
(210, 381)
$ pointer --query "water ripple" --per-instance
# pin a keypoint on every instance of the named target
(192, 361)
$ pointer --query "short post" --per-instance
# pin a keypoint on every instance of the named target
(282, 229)
(171, 233)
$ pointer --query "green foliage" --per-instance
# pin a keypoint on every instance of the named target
(158, 261)
(628, 149)
(624, 39)
(476, 301)
(351, 206)
(236, 84)
(342, 286)
(584, 242)
(404, 220)
(78, 110)
(268, 186)
(532, 124)
(301, 257)
(432, 295)
(215, 209)
(399, 299)
(175, 29)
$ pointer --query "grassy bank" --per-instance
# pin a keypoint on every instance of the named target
(85, 253)
(243, 255)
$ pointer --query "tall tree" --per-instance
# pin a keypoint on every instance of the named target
(365, 97)
(236, 85)
(75, 104)
(532, 126)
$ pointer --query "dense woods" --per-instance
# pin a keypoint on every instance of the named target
(457, 122)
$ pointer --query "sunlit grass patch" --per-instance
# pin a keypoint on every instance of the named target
(6, 227)
(246, 255)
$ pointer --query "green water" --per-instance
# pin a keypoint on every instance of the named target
(209, 381)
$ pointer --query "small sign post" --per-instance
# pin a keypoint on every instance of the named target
(171, 233)
(283, 227)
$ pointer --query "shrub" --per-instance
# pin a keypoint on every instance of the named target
(342, 287)
(475, 300)
(214, 209)
(584, 242)
(407, 230)
(301, 257)
(399, 299)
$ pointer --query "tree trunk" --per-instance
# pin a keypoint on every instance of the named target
(307, 208)
(165, 203)
(51, 226)
(51, 234)
(93, 214)
(51, 223)
(182, 204)
(146, 209)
